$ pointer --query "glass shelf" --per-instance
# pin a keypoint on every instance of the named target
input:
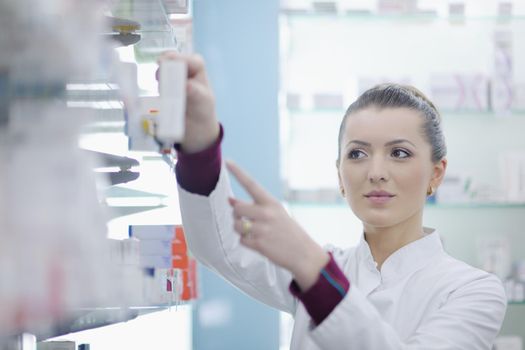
(371, 16)
(516, 303)
(447, 114)
(91, 318)
(339, 204)
(339, 111)
(156, 31)
(328, 197)
(494, 205)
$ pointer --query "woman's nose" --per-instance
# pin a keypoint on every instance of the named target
(378, 170)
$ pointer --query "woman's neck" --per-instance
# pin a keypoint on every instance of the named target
(384, 241)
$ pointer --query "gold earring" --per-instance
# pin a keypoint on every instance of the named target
(430, 190)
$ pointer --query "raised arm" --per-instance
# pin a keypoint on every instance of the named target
(204, 189)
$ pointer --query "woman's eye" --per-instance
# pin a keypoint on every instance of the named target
(400, 153)
(356, 154)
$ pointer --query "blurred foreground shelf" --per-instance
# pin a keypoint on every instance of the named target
(91, 318)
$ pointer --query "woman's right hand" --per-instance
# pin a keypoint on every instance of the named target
(202, 126)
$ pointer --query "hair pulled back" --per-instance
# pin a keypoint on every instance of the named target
(401, 96)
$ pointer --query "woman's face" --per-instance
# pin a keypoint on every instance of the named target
(385, 167)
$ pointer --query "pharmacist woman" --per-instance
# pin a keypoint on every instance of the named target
(397, 289)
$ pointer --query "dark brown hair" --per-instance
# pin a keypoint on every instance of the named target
(401, 96)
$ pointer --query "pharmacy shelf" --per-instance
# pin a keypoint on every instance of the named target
(332, 198)
(84, 320)
(446, 114)
(371, 16)
(156, 31)
(107, 126)
(151, 198)
(465, 206)
(488, 205)
(91, 318)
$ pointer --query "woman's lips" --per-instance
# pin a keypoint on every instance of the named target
(379, 196)
(379, 199)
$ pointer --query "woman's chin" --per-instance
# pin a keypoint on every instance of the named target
(379, 220)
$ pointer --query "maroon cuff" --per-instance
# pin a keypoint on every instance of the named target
(199, 172)
(330, 288)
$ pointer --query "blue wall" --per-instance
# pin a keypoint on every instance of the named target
(239, 41)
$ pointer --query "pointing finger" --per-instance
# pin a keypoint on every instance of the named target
(256, 191)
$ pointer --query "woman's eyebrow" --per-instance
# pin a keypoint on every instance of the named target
(389, 143)
(395, 142)
(361, 143)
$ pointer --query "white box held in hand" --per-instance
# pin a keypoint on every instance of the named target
(170, 122)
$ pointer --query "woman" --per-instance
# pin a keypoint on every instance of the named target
(397, 289)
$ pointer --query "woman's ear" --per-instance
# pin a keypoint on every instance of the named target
(439, 170)
(339, 175)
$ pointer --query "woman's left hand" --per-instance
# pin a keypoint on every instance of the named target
(265, 226)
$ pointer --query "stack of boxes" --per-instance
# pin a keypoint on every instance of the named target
(163, 250)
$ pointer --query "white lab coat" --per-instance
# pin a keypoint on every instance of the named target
(421, 299)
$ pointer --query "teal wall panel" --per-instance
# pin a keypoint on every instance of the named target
(239, 42)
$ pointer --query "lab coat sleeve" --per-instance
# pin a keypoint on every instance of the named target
(469, 319)
(208, 225)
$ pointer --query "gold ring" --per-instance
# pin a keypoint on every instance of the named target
(246, 226)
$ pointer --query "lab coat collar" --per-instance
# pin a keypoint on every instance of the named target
(405, 260)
